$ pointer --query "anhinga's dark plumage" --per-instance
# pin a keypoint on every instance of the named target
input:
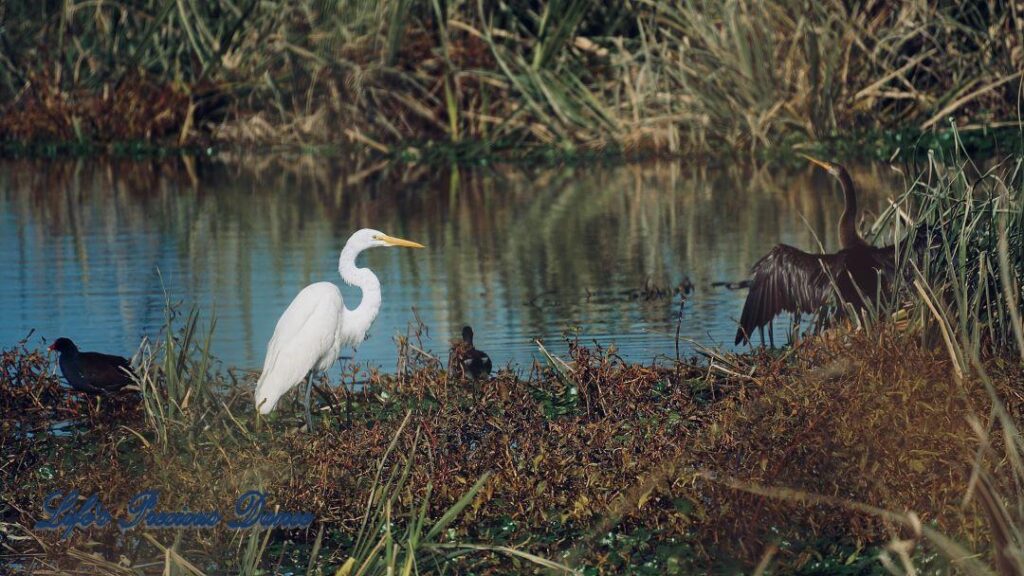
(91, 372)
(476, 362)
(788, 279)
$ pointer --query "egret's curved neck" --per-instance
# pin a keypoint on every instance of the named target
(848, 235)
(355, 323)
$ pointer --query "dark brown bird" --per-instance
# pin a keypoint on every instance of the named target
(791, 280)
(476, 362)
(91, 372)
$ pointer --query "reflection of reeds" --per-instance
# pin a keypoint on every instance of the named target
(659, 75)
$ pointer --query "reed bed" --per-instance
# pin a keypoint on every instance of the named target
(425, 79)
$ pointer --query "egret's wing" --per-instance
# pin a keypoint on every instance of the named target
(304, 334)
(791, 280)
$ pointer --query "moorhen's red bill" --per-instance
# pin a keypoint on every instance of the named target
(91, 372)
(476, 362)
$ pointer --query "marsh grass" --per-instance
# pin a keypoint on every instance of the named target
(963, 253)
(173, 377)
(565, 76)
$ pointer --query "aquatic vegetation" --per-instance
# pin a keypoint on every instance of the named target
(441, 80)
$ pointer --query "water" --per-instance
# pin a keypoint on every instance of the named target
(90, 248)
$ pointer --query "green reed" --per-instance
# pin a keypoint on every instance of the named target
(968, 280)
(175, 378)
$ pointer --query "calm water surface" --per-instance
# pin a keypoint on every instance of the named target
(90, 248)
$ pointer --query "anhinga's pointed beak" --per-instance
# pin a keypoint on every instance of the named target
(822, 163)
(400, 242)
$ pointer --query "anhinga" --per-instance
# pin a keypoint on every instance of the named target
(91, 372)
(791, 280)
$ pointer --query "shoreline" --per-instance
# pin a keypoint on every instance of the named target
(981, 141)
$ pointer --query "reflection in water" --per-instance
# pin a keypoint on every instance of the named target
(89, 248)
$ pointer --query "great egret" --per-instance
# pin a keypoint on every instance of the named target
(311, 332)
(791, 280)
(476, 362)
(91, 372)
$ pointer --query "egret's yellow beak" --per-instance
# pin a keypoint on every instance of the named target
(821, 163)
(399, 242)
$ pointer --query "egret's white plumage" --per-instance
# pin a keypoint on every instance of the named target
(312, 331)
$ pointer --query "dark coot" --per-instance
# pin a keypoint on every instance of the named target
(91, 372)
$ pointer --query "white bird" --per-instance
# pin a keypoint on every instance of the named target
(316, 325)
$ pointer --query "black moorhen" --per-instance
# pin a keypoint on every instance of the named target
(91, 372)
(476, 362)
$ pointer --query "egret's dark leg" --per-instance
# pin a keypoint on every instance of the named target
(348, 396)
(309, 394)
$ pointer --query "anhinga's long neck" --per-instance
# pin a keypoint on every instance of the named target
(848, 235)
(355, 323)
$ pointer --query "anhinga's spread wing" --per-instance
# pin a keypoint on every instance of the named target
(790, 280)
